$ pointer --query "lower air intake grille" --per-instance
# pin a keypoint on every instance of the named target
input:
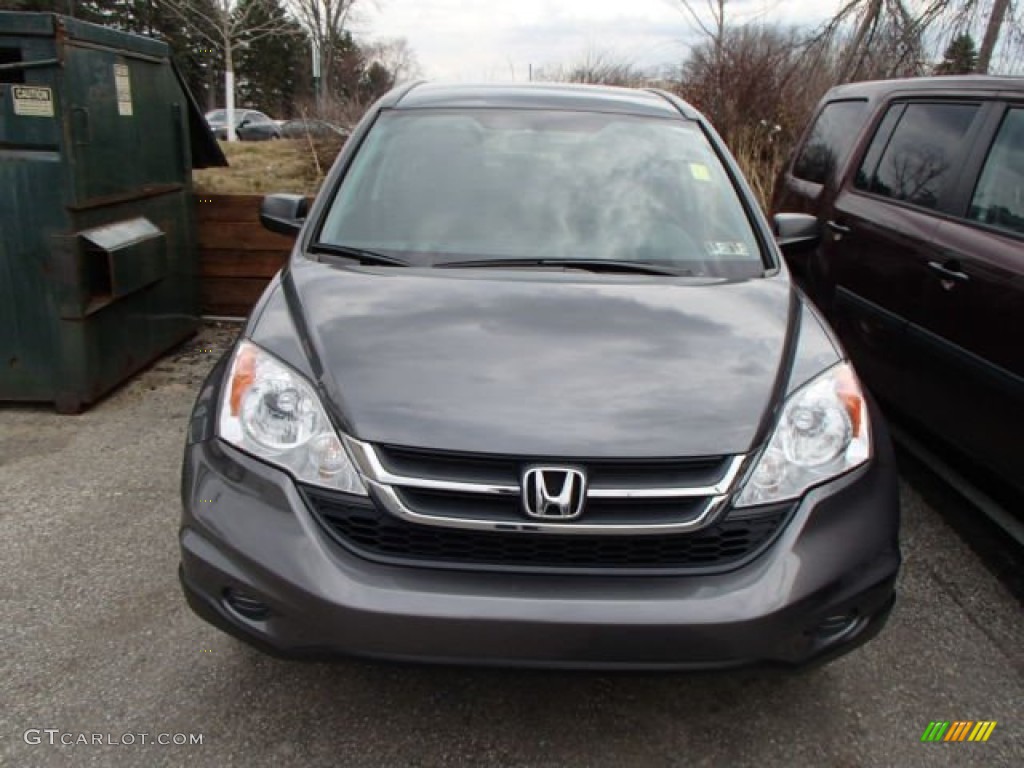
(378, 535)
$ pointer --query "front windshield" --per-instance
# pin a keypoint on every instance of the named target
(433, 186)
(217, 115)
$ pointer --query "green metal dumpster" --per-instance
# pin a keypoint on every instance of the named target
(98, 260)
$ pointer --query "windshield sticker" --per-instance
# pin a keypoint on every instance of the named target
(32, 101)
(727, 249)
(700, 172)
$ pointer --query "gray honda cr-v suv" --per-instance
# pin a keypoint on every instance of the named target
(535, 388)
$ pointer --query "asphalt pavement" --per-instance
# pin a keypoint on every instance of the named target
(98, 643)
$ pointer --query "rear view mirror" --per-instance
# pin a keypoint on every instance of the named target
(284, 214)
(796, 231)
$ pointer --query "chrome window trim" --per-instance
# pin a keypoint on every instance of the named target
(384, 483)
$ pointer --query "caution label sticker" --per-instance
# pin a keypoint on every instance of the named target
(123, 84)
(32, 100)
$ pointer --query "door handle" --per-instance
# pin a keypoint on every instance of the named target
(950, 272)
(837, 228)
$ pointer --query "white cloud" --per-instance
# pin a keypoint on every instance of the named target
(500, 39)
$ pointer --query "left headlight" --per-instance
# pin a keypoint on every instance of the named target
(823, 432)
(272, 412)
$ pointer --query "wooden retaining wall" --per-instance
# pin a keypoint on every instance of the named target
(237, 256)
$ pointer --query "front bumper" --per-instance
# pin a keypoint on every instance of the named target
(823, 587)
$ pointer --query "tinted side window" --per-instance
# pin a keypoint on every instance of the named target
(999, 197)
(878, 144)
(829, 140)
(918, 161)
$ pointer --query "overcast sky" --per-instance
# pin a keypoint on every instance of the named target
(499, 39)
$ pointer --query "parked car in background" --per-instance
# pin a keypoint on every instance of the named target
(250, 125)
(298, 129)
(535, 388)
(918, 186)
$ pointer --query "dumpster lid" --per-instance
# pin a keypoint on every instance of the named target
(206, 152)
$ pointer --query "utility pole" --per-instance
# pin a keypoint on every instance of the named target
(995, 26)
(317, 87)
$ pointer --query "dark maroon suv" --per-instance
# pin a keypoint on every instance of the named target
(918, 188)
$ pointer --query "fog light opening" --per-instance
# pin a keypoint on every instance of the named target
(245, 605)
(835, 626)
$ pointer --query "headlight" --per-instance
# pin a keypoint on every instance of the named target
(823, 432)
(273, 413)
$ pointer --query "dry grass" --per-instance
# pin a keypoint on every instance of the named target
(258, 168)
(760, 155)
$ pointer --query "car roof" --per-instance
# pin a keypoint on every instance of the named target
(565, 96)
(954, 83)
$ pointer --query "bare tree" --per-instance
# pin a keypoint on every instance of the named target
(890, 38)
(595, 67)
(396, 56)
(992, 32)
(325, 22)
(713, 30)
(714, 33)
(226, 24)
(755, 86)
(887, 37)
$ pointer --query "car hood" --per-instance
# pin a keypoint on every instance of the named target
(552, 364)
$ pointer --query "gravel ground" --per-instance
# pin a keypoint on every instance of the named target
(97, 639)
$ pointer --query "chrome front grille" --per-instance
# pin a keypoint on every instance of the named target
(481, 492)
(505, 470)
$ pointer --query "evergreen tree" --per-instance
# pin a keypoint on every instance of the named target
(376, 81)
(960, 58)
(86, 10)
(346, 73)
(273, 71)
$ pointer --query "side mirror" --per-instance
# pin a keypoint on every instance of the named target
(284, 214)
(796, 231)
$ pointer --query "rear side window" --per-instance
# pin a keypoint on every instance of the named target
(829, 140)
(917, 162)
(999, 197)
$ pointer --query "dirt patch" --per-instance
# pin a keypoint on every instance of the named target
(260, 167)
(188, 364)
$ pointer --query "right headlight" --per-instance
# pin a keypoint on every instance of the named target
(823, 431)
(270, 411)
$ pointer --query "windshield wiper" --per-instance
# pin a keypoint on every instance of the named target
(590, 265)
(359, 254)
